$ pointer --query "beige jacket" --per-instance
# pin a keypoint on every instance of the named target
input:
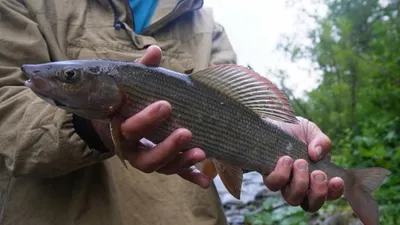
(49, 174)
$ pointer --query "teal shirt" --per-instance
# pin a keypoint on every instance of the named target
(142, 11)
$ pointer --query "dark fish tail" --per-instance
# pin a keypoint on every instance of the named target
(358, 187)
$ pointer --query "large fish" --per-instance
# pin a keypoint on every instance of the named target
(228, 109)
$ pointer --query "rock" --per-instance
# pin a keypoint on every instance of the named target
(253, 194)
(253, 186)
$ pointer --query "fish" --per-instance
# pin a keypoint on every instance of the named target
(230, 110)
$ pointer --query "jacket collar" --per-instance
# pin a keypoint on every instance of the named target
(166, 12)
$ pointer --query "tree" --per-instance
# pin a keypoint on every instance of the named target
(356, 46)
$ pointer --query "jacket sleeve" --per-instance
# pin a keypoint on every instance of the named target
(221, 49)
(36, 138)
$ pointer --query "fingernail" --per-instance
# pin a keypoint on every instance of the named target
(182, 139)
(153, 46)
(319, 178)
(302, 166)
(287, 162)
(163, 111)
(150, 47)
(337, 187)
(318, 150)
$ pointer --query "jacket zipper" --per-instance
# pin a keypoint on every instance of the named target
(117, 23)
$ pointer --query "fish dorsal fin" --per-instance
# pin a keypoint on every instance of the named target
(250, 89)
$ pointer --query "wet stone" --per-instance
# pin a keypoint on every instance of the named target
(253, 194)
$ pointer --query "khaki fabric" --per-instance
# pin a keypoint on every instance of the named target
(48, 174)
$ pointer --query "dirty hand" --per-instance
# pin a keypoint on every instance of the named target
(308, 191)
(165, 157)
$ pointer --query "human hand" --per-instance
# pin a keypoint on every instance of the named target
(165, 157)
(310, 191)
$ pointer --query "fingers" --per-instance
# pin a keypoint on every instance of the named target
(165, 157)
(319, 143)
(317, 193)
(310, 191)
(295, 192)
(183, 160)
(151, 160)
(152, 57)
(319, 146)
(195, 177)
(335, 188)
(280, 176)
(140, 124)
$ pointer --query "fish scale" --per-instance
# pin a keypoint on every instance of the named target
(228, 108)
(235, 142)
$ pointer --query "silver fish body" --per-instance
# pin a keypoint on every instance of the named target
(223, 128)
(228, 109)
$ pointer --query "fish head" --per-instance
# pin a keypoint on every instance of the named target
(78, 86)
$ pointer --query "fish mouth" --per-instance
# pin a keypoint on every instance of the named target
(29, 84)
(35, 88)
(39, 92)
(37, 81)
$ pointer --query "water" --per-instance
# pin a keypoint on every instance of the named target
(253, 191)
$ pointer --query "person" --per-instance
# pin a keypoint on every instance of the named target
(58, 168)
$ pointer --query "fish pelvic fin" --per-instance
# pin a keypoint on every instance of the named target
(358, 187)
(116, 135)
(231, 176)
(249, 88)
(209, 169)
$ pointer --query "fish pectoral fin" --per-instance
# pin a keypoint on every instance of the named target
(249, 88)
(116, 135)
(231, 177)
(209, 169)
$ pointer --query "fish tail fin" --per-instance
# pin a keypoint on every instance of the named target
(358, 187)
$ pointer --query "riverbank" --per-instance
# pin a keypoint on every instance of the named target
(256, 199)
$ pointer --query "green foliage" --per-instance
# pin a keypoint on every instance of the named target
(275, 211)
(357, 103)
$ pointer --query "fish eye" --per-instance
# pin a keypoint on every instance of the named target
(70, 74)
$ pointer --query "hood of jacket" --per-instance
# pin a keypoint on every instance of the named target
(166, 12)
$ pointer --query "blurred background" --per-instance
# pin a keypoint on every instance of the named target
(339, 63)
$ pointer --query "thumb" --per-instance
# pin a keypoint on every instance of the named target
(152, 57)
(319, 145)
